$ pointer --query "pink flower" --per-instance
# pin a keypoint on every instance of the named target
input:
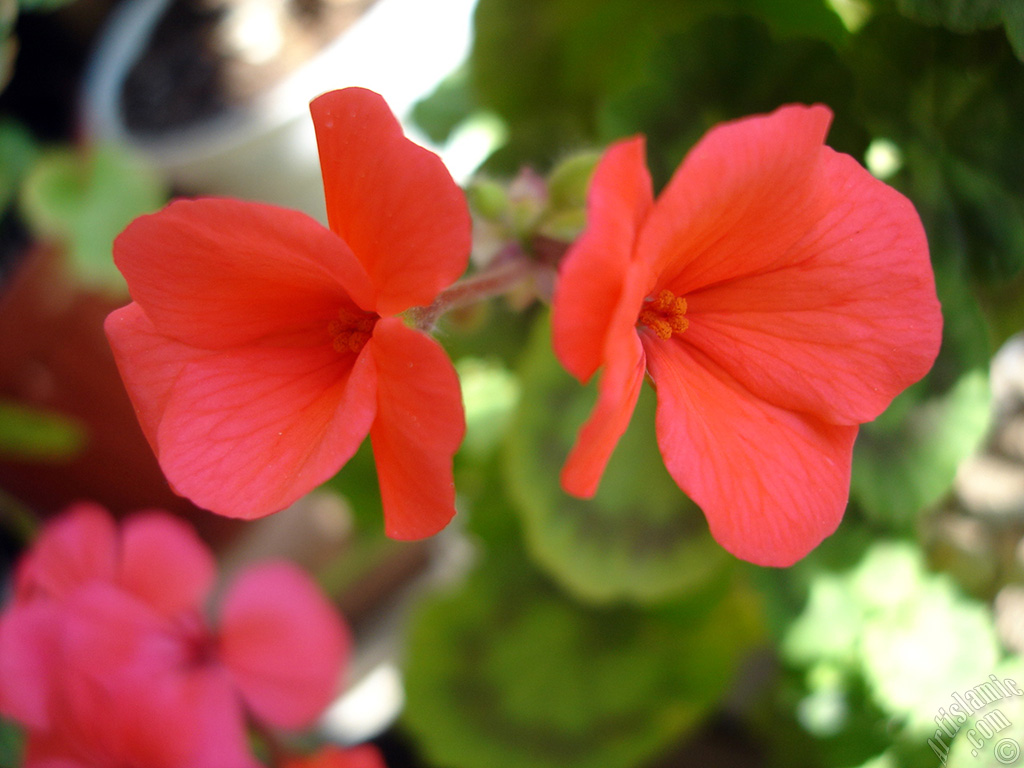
(106, 657)
(261, 348)
(776, 294)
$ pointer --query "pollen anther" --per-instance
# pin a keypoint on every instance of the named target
(351, 330)
(665, 314)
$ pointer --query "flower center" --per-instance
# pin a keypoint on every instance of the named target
(351, 330)
(665, 314)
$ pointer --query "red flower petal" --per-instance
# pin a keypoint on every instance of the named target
(283, 644)
(772, 483)
(164, 563)
(78, 547)
(618, 390)
(419, 426)
(246, 432)
(850, 324)
(742, 197)
(392, 201)
(362, 756)
(590, 276)
(219, 273)
(149, 363)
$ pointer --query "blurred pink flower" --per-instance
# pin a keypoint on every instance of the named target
(107, 658)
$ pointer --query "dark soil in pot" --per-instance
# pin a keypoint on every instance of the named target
(208, 57)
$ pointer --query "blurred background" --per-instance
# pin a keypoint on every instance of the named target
(541, 630)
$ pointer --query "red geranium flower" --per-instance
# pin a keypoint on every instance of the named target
(107, 658)
(776, 294)
(261, 348)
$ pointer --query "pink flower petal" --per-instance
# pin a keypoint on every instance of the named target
(283, 644)
(392, 201)
(419, 426)
(849, 325)
(590, 277)
(78, 547)
(772, 483)
(164, 563)
(29, 642)
(247, 432)
(742, 198)
(219, 273)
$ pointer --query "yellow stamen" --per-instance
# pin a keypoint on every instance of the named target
(351, 330)
(664, 314)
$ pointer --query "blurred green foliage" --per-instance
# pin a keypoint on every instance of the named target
(82, 200)
(508, 670)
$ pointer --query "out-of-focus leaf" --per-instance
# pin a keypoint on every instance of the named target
(357, 482)
(910, 634)
(11, 745)
(18, 151)
(508, 672)
(906, 460)
(28, 433)
(489, 394)
(451, 103)
(725, 68)
(991, 737)
(954, 106)
(970, 15)
(640, 538)
(84, 201)
(958, 15)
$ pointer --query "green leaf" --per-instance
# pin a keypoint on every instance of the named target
(991, 738)
(506, 672)
(910, 634)
(958, 15)
(971, 15)
(18, 151)
(84, 201)
(905, 461)
(640, 538)
(28, 433)
(11, 745)
(724, 68)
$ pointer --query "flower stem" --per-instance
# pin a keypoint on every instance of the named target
(508, 271)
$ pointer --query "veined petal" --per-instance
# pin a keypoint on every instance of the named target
(592, 273)
(772, 483)
(149, 362)
(618, 390)
(849, 324)
(742, 197)
(78, 547)
(283, 644)
(247, 432)
(217, 273)
(165, 563)
(419, 426)
(392, 201)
